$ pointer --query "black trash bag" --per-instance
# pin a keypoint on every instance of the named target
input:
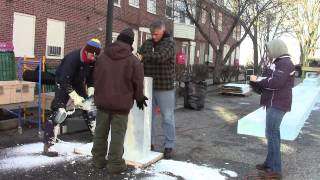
(195, 93)
(255, 87)
(47, 78)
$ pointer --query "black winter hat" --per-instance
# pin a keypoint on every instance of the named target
(126, 36)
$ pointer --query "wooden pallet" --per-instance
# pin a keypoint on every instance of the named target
(151, 158)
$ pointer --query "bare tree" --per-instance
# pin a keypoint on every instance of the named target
(270, 26)
(305, 22)
(239, 13)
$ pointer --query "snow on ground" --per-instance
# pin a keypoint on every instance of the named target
(29, 156)
(165, 169)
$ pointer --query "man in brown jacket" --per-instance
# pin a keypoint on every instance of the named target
(118, 81)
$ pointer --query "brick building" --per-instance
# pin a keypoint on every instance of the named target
(54, 28)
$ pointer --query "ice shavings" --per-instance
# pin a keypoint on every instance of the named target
(30, 156)
(188, 171)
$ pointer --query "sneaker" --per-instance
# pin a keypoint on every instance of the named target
(49, 151)
(168, 153)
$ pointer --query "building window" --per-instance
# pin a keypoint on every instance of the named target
(238, 32)
(55, 39)
(23, 34)
(203, 16)
(182, 17)
(116, 3)
(210, 56)
(234, 33)
(220, 22)
(148, 36)
(114, 36)
(134, 3)
(152, 6)
(202, 53)
(169, 9)
(221, 2)
(213, 16)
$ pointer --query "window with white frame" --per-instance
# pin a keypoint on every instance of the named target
(220, 22)
(148, 36)
(210, 56)
(114, 36)
(202, 57)
(238, 32)
(203, 16)
(182, 17)
(55, 39)
(213, 16)
(169, 8)
(23, 34)
(117, 2)
(134, 3)
(234, 33)
(152, 6)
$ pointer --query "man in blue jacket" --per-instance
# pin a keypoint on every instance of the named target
(74, 80)
(276, 97)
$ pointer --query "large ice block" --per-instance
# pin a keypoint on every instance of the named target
(138, 136)
(304, 98)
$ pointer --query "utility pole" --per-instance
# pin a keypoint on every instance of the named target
(109, 22)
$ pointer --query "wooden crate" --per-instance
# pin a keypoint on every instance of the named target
(16, 92)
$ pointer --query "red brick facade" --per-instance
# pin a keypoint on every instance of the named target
(84, 20)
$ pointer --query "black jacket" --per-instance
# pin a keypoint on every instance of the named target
(72, 72)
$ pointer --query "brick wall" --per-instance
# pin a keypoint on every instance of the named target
(84, 20)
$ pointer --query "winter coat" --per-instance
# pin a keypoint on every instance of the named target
(278, 84)
(72, 72)
(118, 79)
(159, 61)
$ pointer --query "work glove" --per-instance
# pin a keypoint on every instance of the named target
(90, 91)
(77, 100)
(142, 103)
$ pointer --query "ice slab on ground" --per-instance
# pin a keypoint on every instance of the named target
(236, 88)
(138, 136)
(304, 99)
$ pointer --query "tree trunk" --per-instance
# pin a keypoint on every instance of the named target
(302, 56)
(217, 67)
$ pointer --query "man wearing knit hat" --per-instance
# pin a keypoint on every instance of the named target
(118, 82)
(74, 80)
(276, 88)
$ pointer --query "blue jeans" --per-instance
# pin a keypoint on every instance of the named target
(273, 121)
(166, 101)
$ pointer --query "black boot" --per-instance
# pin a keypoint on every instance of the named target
(168, 153)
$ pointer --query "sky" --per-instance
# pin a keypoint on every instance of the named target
(246, 49)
